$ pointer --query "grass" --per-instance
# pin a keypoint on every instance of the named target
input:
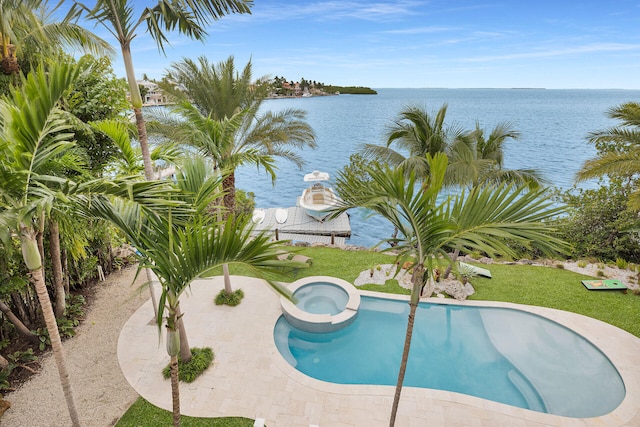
(143, 413)
(522, 284)
(560, 289)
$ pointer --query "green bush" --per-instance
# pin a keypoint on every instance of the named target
(201, 359)
(621, 263)
(596, 222)
(581, 264)
(232, 299)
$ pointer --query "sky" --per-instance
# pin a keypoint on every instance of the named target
(561, 44)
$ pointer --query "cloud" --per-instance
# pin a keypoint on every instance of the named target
(591, 48)
(422, 30)
(337, 10)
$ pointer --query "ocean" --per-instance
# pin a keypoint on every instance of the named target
(554, 126)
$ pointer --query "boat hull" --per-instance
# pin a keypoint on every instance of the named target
(318, 202)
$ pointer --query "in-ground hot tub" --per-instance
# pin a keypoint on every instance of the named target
(321, 304)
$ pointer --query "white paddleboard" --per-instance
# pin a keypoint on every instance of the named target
(258, 216)
(478, 270)
(282, 215)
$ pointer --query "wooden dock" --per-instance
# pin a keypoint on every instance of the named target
(300, 227)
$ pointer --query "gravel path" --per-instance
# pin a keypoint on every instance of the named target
(101, 392)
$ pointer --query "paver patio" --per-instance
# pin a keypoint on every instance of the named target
(250, 378)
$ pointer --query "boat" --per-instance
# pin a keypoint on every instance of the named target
(317, 200)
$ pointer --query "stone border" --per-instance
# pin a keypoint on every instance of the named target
(321, 323)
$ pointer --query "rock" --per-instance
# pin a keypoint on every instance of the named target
(4, 405)
(455, 289)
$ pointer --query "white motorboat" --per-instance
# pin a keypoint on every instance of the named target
(318, 200)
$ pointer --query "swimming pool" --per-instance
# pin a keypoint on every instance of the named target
(499, 354)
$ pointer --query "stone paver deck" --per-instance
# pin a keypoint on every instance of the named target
(249, 377)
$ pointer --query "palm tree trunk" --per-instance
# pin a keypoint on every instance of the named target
(229, 189)
(136, 103)
(31, 255)
(173, 348)
(417, 281)
(185, 351)
(227, 279)
(403, 363)
(454, 258)
(17, 323)
(175, 391)
(56, 263)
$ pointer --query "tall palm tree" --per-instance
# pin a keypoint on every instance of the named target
(241, 136)
(416, 133)
(122, 20)
(180, 254)
(26, 26)
(484, 219)
(618, 149)
(32, 132)
(475, 159)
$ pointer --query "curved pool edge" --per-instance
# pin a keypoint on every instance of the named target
(264, 385)
(321, 323)
(610, 340)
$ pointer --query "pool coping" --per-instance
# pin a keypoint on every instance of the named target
(250, 378)
(321, 323)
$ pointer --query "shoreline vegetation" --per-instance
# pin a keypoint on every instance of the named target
(327, 91)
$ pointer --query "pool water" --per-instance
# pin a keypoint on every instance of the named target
(499, 354)
(321, 298)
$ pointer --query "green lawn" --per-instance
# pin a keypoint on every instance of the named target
(143, 414)
(521, 284)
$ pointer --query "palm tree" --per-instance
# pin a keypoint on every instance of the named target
(416, 133)
(618, 149)
(475, 160)
(180, 254)
(218, 115)
(484, 219)
(25, 27)
(32, 133)
(120, 18)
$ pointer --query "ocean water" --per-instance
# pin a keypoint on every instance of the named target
(554, 126)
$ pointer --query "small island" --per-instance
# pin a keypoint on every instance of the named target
(280, 87)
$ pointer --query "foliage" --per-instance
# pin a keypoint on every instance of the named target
(74, 310)
(18, 359)
(143, 413)
(232, 299)
(596, 222)
(245, 202)
(350, 90)
(201, 359)
(97, 94)
(618, 151)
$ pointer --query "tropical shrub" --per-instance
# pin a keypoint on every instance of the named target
(232, 299)
(201, 359)
(596, 222)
